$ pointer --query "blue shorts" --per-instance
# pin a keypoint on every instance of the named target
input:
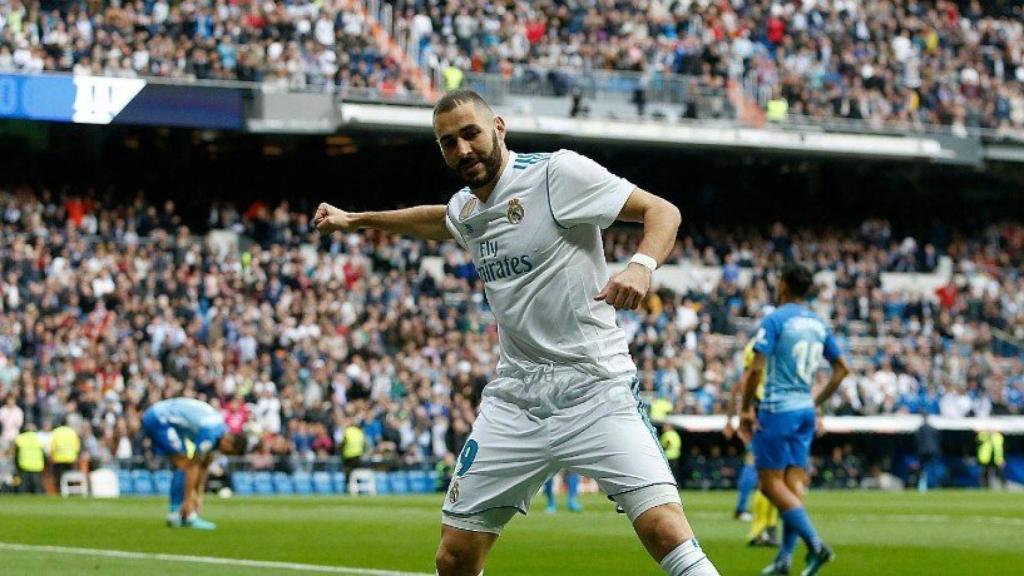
(166, 440)
(784, 439)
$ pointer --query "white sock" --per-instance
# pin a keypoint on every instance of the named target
(688, 559)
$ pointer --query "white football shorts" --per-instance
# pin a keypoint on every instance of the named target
(511, 452)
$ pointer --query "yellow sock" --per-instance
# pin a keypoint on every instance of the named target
(772, 514)
(761, 506)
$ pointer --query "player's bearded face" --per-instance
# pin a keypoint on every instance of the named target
(478, 169)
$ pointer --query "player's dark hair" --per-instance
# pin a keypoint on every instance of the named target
(236, 444)
(456, 98)
(798, 279)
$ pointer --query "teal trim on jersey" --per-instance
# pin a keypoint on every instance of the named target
(547, 187)
(525, 160)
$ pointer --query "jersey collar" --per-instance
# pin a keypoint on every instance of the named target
(503, 181)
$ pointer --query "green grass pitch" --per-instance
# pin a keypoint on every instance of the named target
(875, 534)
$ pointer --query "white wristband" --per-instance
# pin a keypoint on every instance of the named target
(645, 261)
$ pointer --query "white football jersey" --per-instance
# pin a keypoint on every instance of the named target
(537, 246)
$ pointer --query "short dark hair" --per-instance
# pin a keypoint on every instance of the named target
(798, 279)
(237, 443)
(456, 98)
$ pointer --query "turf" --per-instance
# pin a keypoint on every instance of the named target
(873, 533)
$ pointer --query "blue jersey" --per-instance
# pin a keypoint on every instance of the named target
(793, 340)
(193, 420)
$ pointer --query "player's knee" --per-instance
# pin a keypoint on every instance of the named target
(455, 560)
(663, 528)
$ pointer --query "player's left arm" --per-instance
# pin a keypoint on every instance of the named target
(661, 220)
(839, 370)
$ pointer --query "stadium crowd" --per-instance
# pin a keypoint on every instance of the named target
(305, 342)
(908, 61)
(286, 44)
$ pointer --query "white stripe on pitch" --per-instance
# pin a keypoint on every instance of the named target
(269, 565)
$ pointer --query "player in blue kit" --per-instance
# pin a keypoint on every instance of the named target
(572, 487)
(788, 349)
(187, 431)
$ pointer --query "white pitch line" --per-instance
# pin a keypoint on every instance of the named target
(346, 570)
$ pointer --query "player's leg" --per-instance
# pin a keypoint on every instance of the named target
(549, 495)
(572, 486)
(607, 438)
(502, 466)
(166, 442)
(668, 538)
(747, 485)
(759, 523)
(772, 457)
(177, 490)
(799, 446)
(771, 521)
(462, 552)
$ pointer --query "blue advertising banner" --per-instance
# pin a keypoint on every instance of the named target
(101, 100)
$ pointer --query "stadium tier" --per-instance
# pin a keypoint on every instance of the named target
(909, 64)
(109, 307)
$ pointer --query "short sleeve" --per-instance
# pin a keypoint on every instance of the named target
(831, 352)
(581, 191)
(767, 335)
(449, 222)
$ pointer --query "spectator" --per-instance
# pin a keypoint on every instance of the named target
(929, 451)
(31, 460)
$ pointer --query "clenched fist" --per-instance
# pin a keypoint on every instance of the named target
(329, 219)
(626, 290)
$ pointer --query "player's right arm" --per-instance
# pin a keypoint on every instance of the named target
(192, 474)
(751, 379)
(427, 222)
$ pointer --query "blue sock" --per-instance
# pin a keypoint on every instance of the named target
(801, 523)
(572, 482)
(549, 492)
(177, 490)
(789, 538)
(747, 485)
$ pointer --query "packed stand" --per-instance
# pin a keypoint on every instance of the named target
(281, 44)
(302, 341)
(882, 62)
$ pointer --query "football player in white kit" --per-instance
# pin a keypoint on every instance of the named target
(564, 395)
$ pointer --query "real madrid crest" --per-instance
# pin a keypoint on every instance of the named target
(515, 211)
(468, 208)
(453, 492)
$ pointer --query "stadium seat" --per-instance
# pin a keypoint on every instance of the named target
(435, 479)
(74, 483)
(419, 482)
(162, 481)
(339, 482)
(262, 483)
(322, 483)
(302, 482)
(124, 483)
(362, 481)
(103, 483)
(241, 483)
(381, 481)
(142, 482)
(283, 483)
(399, 482)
